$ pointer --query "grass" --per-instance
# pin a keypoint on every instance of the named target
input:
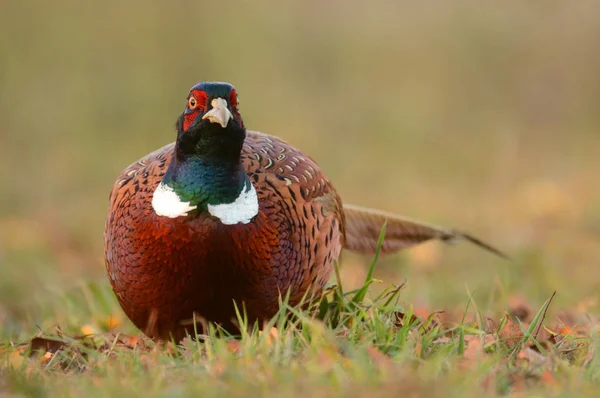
(347, 343)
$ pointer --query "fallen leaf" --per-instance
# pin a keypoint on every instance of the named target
(130, 341)
(15, 359)
(88, 330)
(110, 323)
(46, 345)
(533, 357)
(520, 308)
(46, 357)
(476, 345)
(401, 319)
(474, 349)
(511, 333)
(421, 316)
(577, 331)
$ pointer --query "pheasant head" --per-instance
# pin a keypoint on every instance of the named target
(206, 175)
(211, 124)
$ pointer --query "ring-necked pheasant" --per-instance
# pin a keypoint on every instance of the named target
(225, 214)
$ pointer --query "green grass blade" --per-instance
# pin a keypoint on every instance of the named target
(362, 292)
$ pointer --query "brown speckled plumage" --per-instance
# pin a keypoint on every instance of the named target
(165, 271)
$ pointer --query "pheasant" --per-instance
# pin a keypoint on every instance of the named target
(227, 215)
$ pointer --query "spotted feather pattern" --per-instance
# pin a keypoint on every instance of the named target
(165, 271)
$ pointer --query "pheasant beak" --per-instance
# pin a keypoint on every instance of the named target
(219, 113)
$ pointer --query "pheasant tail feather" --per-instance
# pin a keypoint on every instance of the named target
(363, 227)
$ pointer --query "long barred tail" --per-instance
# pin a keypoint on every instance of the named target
(363, 227)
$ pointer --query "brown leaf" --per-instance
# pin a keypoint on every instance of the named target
(46, 357)
(511, 333)
(112, 322)
(545, 339)
(421, 316)
(533, 357)
(131, 341)
(15, 358)
(422, 312)
(401, 319)
(88, 330)
(576, 331)
(520, 308)
(46, 345)
(475, 346)
(474, 350)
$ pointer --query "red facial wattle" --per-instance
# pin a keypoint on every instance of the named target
(233, 101)
(196, 105)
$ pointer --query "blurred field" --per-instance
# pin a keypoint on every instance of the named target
(482, 116)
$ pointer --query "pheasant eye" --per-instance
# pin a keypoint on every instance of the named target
(192, 103)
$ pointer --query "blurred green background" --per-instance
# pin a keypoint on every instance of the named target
(479, 115)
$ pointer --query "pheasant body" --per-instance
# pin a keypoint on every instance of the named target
(226, 217)
(164, 270)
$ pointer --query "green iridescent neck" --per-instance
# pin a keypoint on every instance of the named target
(203, 181)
